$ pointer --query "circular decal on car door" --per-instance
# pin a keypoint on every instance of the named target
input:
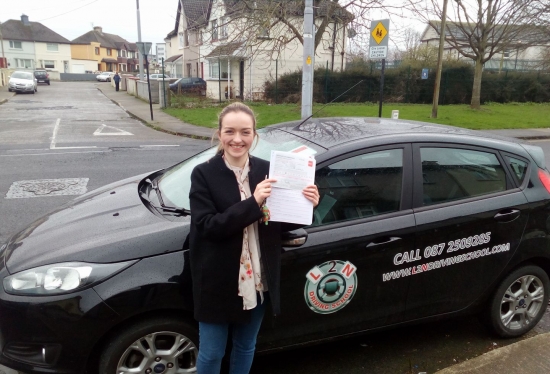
(330, 286)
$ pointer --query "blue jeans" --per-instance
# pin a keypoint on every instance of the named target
(213, 339)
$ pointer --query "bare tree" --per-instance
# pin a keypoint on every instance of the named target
(479, 29)
(268, 27)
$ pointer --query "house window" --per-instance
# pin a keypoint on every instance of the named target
(49, 64)
(123, 53)
(199, 37)
(109, 52)
(22, 63)
(214, 30)
(223, 27)
(216, 70)
(181, 39)
(97, 50)
(15, 45)
(186, 38)
(214, 73)
(506, 53)
(52, 47)
(263, 33)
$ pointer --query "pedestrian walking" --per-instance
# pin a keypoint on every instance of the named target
(234, 252)
(116, 78)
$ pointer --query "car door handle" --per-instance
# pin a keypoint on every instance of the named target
(507, 215)
(381, 241)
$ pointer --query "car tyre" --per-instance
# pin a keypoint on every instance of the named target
(48, 83)
(519, 302)
(108, 79)
(168, 340)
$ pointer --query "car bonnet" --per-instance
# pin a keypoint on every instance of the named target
(108, 225)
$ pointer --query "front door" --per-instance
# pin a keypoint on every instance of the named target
(338, 281)
(470, 219)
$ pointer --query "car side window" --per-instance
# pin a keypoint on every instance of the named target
(519, 168)
(450, 174)
(362, 186)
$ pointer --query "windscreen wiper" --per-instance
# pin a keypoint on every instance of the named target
(166, 208)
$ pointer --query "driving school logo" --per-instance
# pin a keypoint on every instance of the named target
(330, 286)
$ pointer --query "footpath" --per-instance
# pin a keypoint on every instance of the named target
(528, 356)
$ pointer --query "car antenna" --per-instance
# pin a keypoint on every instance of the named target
(330, 102)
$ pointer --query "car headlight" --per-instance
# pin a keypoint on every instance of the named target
(30, 84)
(60, 278)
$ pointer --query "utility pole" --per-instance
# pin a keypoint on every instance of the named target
(439, 60)
(308, 61)
(2, 44)
(141, 76)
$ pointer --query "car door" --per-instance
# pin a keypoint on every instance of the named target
(470, 217)
(342, 279)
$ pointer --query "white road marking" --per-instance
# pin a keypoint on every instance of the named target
(99, 131)
(52, 153)
(47, 187)
(160, 145)
(55, 130)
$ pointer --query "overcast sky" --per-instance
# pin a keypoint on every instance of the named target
(72, 18)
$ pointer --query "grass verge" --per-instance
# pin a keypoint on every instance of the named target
(490, 116)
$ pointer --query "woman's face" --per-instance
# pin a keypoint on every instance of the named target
(236, 137)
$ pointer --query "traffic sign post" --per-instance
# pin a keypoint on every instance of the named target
(378, 49)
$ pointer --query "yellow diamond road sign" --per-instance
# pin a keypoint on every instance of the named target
(379, 33)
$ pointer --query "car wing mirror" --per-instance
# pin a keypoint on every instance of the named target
(295, 238)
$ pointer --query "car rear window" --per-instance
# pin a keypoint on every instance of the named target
(519, 168)
(452, 174)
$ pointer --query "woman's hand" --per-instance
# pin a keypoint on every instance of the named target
(263, 190)
(312, 194)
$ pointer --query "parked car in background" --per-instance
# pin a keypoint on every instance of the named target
(194, 85)
(158, 76)
(22, 81)
(42, 76)
(105, 76)
(416, 222)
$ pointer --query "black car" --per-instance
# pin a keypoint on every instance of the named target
(42, 76)
(416, 222)
(189, 85)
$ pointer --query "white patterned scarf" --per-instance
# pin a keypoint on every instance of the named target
(250, 274)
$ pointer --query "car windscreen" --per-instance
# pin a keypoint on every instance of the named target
(176, 181)
(20, 75)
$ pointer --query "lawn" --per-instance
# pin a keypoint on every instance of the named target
(491, 116)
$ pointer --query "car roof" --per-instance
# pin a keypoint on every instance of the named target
(335, 131)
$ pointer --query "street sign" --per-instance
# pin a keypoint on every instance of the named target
(378, 52)
(425, 73)
(379, 37)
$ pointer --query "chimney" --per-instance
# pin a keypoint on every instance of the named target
(25, 20)
(98, 29)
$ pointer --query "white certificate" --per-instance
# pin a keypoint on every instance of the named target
(293, 172)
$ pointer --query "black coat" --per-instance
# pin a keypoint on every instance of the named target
(218, 217)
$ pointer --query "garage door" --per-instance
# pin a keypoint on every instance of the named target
(78, 69)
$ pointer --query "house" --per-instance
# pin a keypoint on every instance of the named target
(236, 49)
(520, 53)
(96, 50)
(31, 45)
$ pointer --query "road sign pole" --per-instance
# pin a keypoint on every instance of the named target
(378, 49)
(381, 89)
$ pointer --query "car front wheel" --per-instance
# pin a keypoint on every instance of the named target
(519, 302)
(156, 345)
